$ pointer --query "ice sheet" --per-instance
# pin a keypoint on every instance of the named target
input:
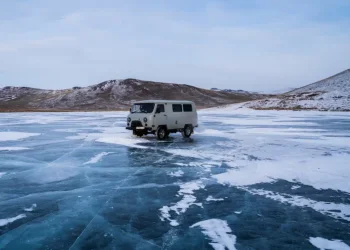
(53, 173)
(247, 169)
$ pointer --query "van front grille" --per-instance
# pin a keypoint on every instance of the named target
(135, 124)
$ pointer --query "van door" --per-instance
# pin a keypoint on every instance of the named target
(160, 117)
(177, 118)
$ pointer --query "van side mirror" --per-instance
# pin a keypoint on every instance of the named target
(157, 110)
(130, 110)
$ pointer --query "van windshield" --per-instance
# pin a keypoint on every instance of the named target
(142, 108)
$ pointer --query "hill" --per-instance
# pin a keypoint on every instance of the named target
(332, 93)
(238, 91)
(110, 95)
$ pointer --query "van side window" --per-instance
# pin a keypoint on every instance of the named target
(160, 108)
(177, 108)
(187, 108)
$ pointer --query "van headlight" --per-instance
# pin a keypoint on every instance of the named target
(145, 119)
(129, 119)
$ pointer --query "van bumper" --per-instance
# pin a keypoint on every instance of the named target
(147, 129)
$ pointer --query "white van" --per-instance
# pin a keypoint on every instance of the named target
(161, 117)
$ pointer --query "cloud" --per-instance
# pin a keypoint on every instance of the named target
(262, 46)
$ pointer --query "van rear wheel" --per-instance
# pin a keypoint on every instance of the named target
(187, 132)
(161, 133)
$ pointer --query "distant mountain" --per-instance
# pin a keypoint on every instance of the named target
(111, 95)
(332, 94)
(278, 91)
(239, 91)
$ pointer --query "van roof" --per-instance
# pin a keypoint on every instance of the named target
(164, 101)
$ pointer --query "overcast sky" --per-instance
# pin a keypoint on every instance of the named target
(255, 45)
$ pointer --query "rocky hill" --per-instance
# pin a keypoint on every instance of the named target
(331, 94)
(111, 95)
(238, 91)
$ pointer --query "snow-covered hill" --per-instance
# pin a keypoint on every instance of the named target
(332, 93)
(110, 95)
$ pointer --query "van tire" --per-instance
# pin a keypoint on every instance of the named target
(161, 133)
(187, 132)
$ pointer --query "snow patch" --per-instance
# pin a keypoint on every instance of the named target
(325, 244)
(276, 131)
(188, 199)
(250, 121)
(183, 152)
(313, 171)
(128, 142)
(31, 208)
(14, 136)
(177, 173)
(211, 198)
(215, 133)
(219, 233)
(13, 148)
(4, 222)
(325, 141)
(97, 158)
(338, 211)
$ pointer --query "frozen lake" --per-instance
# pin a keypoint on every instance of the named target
(245, 180)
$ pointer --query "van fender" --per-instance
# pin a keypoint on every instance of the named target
(163, 125)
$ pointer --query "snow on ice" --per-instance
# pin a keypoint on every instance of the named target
(219, 232)
(14, 136)
(97, 158)
(324, 244)
(4, 222)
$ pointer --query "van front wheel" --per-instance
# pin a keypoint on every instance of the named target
(187, 132)
(161, 133)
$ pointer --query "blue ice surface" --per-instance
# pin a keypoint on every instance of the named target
(90, 194)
